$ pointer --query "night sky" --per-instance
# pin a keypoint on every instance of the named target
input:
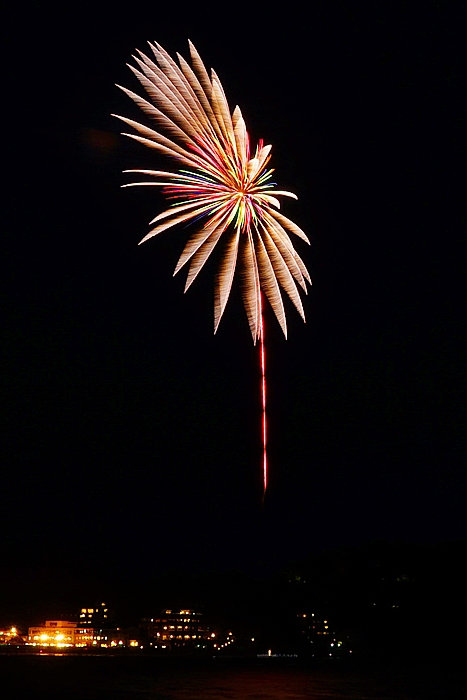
(131, 435)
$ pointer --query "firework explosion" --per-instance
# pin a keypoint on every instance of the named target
(220, 185)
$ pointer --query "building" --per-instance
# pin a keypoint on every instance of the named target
(95, 616)
(60, 633)
(313, 626)
(324, 641)
(177, 628)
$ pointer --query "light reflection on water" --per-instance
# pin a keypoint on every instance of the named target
(268, 685)
(142, 679)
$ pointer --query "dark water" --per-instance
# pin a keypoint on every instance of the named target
(90, 678)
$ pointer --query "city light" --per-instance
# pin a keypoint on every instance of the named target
(61, 634)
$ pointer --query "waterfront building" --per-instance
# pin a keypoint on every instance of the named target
(324, 641)
(177, 628)
(60, 633)
(313, 626)
(115, 637)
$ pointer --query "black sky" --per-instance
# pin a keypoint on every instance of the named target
(131, 433)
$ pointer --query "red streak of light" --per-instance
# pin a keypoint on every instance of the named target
(263, 395)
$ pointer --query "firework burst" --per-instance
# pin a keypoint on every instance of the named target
(220, 184)
(223, 187)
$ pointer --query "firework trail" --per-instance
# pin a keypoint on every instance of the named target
(264, 426)
(220, 185)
